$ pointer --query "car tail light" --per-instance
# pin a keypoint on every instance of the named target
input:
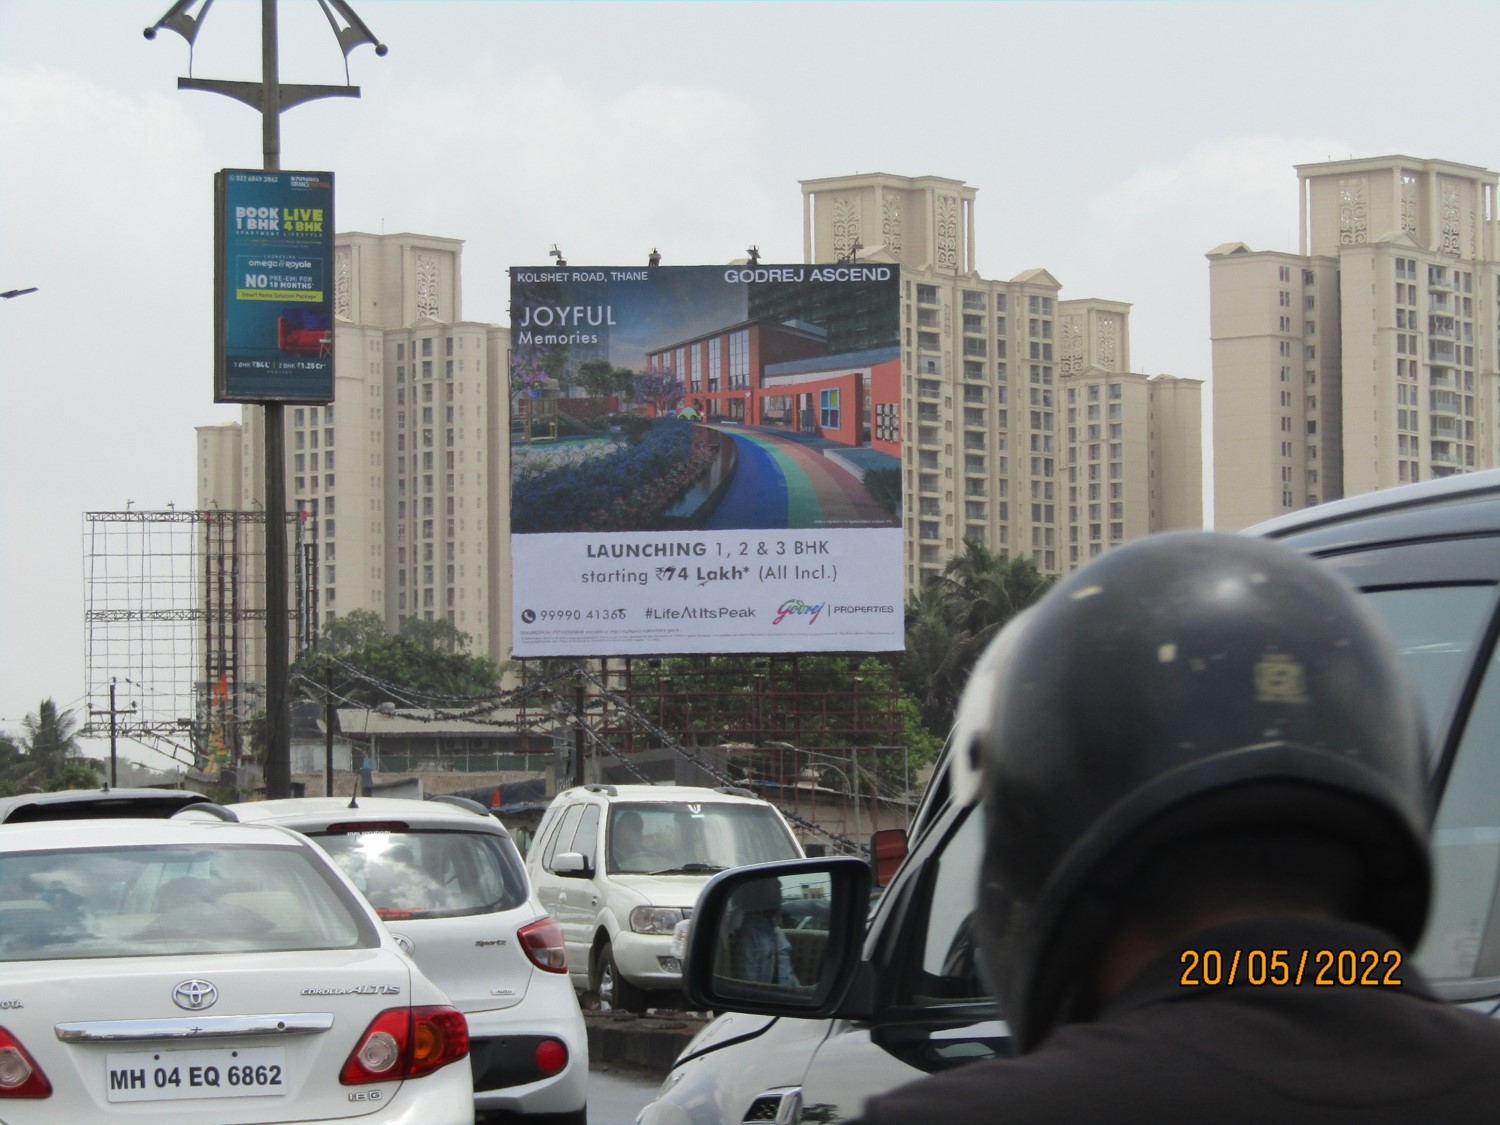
(407, 1043)
(543, 942)
(551, 1056)
(20, 1077)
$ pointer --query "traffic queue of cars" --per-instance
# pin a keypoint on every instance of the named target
(318, 959)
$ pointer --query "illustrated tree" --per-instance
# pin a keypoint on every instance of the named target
(659, 389)
(597, 377)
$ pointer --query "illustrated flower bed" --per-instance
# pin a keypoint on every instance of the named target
(630, 489)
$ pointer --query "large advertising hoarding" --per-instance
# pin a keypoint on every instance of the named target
(706, 459)
(273, 292)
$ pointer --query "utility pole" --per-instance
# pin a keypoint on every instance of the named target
(328, 732)
(113, 713)
(270, 97)
(578, 778)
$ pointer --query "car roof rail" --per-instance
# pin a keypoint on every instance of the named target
(733, 790)
(607, 790)
(187, 811)
(465, 803)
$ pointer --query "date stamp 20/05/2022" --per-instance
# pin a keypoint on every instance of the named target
(1286, 968)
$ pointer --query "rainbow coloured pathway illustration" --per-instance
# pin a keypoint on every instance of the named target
(786, 482)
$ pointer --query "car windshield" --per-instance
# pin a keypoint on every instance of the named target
(690, 838)
(139, 901)
(410, 873)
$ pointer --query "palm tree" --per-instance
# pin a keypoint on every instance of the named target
(952, 618)
(51, 739)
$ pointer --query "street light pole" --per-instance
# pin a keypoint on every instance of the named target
(271, 97)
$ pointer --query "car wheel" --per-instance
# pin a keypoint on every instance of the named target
(613, 990)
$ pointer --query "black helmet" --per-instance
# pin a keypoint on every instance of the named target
(1180, 685)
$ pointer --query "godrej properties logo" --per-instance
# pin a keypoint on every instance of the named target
(796, 607)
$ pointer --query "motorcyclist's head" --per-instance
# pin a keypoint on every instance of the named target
(1187, 700)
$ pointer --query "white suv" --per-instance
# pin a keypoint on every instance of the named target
(619, 866)
(448, 882)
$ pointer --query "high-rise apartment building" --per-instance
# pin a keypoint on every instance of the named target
(1368, 358)
(1023, 425)
(400, 482)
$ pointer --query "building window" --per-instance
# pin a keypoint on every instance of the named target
(828, 408)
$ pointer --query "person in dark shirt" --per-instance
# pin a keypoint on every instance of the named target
(1206, 858)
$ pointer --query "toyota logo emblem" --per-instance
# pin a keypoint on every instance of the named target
(195, 995)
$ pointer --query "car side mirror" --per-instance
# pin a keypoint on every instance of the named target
(779, 939)
(575, 865)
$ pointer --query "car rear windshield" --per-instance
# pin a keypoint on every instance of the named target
(139, 901)
(417, 873)
(691, 837)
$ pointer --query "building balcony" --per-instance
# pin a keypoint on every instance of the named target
(1446, 402)
(1445, 428)
(1441, 351)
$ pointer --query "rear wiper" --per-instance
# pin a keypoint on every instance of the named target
(691, 869)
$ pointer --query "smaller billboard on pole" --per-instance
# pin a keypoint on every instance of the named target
(273, 291)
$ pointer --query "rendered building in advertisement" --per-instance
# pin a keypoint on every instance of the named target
(740, 503)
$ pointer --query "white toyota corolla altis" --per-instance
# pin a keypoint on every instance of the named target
(186, 971)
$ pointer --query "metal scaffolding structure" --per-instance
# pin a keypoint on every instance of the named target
(822, 750)
(175, 620)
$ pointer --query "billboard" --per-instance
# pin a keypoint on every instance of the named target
(273, 293)
(705, 459)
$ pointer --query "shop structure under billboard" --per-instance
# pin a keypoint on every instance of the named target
(708, 480)
(273, 311)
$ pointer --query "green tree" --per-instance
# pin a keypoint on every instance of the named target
(11, 759)
(951, 619)
(47, 755)
(601, 379)
(79, 773)
(353, 630)
(428, 664)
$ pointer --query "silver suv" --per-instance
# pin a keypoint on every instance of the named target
(619, 866)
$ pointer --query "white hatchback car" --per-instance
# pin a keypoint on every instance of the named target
(451, 887)
(166, 971)
(619, 866)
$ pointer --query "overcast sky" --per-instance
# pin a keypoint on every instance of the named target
(1111, 143)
